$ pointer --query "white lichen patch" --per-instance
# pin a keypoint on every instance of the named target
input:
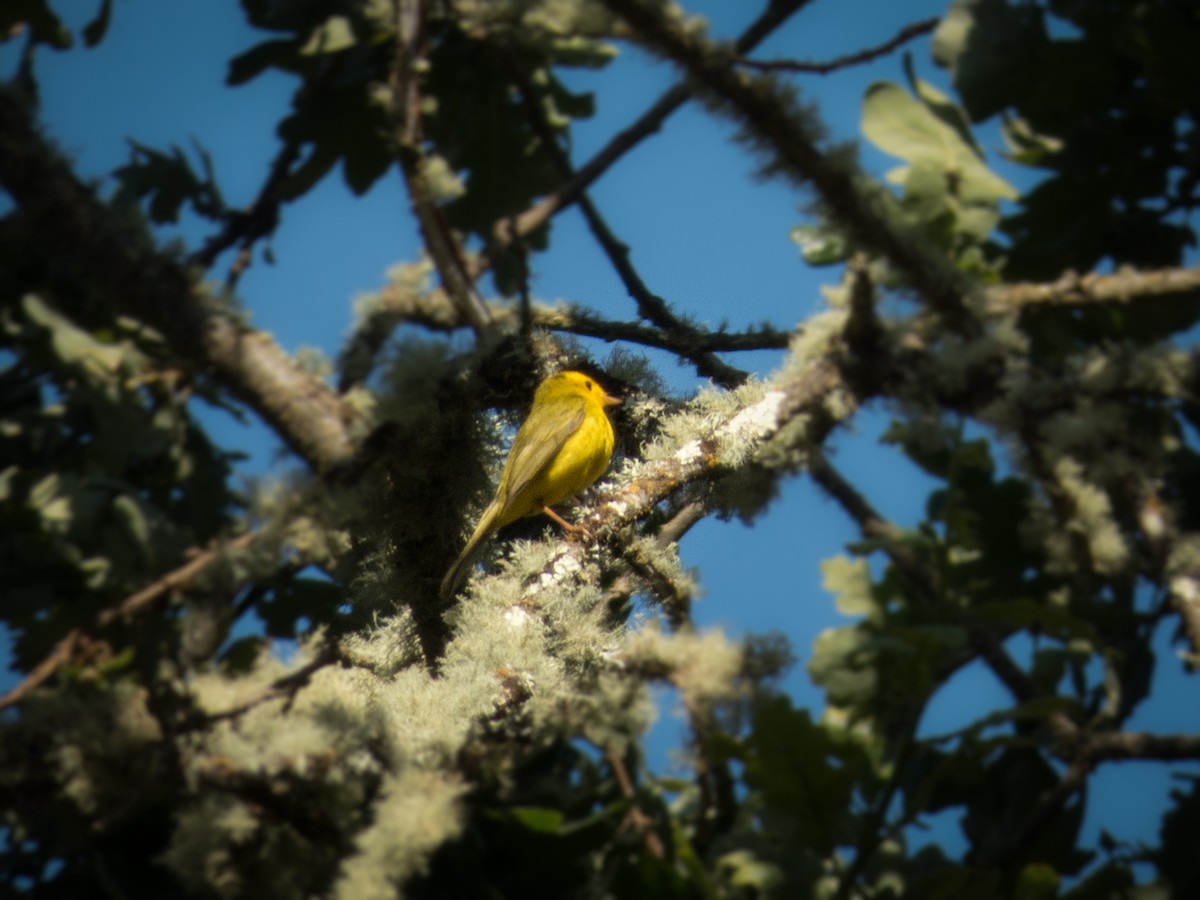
(755, 421)
(689, 453)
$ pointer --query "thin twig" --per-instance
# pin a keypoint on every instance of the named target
(642, 570)
(695, 340)
(259, 220)
(56, 659)
(132, 605)
(286, 685)
(641, 822)
(905, 35)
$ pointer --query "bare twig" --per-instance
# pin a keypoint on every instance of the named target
(132, 605)
(259, 220)
(641, 822)
(693, 340)
(905, 35)
(643, 571)
(175, 580)
(56, 659)
(650, 305)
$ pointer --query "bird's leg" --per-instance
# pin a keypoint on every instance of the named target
(570, 529)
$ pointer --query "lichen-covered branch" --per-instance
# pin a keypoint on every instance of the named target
(1125, 286)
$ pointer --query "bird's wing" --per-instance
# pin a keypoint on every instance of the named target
(541, 436)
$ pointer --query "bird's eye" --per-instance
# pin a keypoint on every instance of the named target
(589, 384)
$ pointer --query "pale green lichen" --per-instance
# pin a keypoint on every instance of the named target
(1092, 517)
(817, 338)
(704, 666)
(416, 812)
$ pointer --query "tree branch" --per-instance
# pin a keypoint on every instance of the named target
(118, 263)
(929, 585)
(767, 113)
(1048, 804)
(520, 226)
(284, 686)
(440, 242)
(1075, 290)
(638, 820)
(1118, 746)
(398, 303)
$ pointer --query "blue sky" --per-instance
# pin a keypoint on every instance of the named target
(705, 234)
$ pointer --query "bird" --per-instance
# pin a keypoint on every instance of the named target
(562, 447)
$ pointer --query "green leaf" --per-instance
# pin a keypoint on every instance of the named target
(1176, 859)
(849, 580)
(169, 181)
(343, 121)
(901, 125)
(1037, 881)
(800, 773)
(242, 655)
(136, 525)
(989, 45)
(819, 247)
(745, 871)
(335, 34)
(95, 30)
(549, 821)
(294, 599)
(942, 106)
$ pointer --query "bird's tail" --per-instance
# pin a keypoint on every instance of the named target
(470, 554)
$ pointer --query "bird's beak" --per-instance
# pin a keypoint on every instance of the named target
(609, 400)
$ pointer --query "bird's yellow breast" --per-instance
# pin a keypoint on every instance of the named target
(582, 459)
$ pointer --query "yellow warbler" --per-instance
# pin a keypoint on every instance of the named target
(562, 447)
